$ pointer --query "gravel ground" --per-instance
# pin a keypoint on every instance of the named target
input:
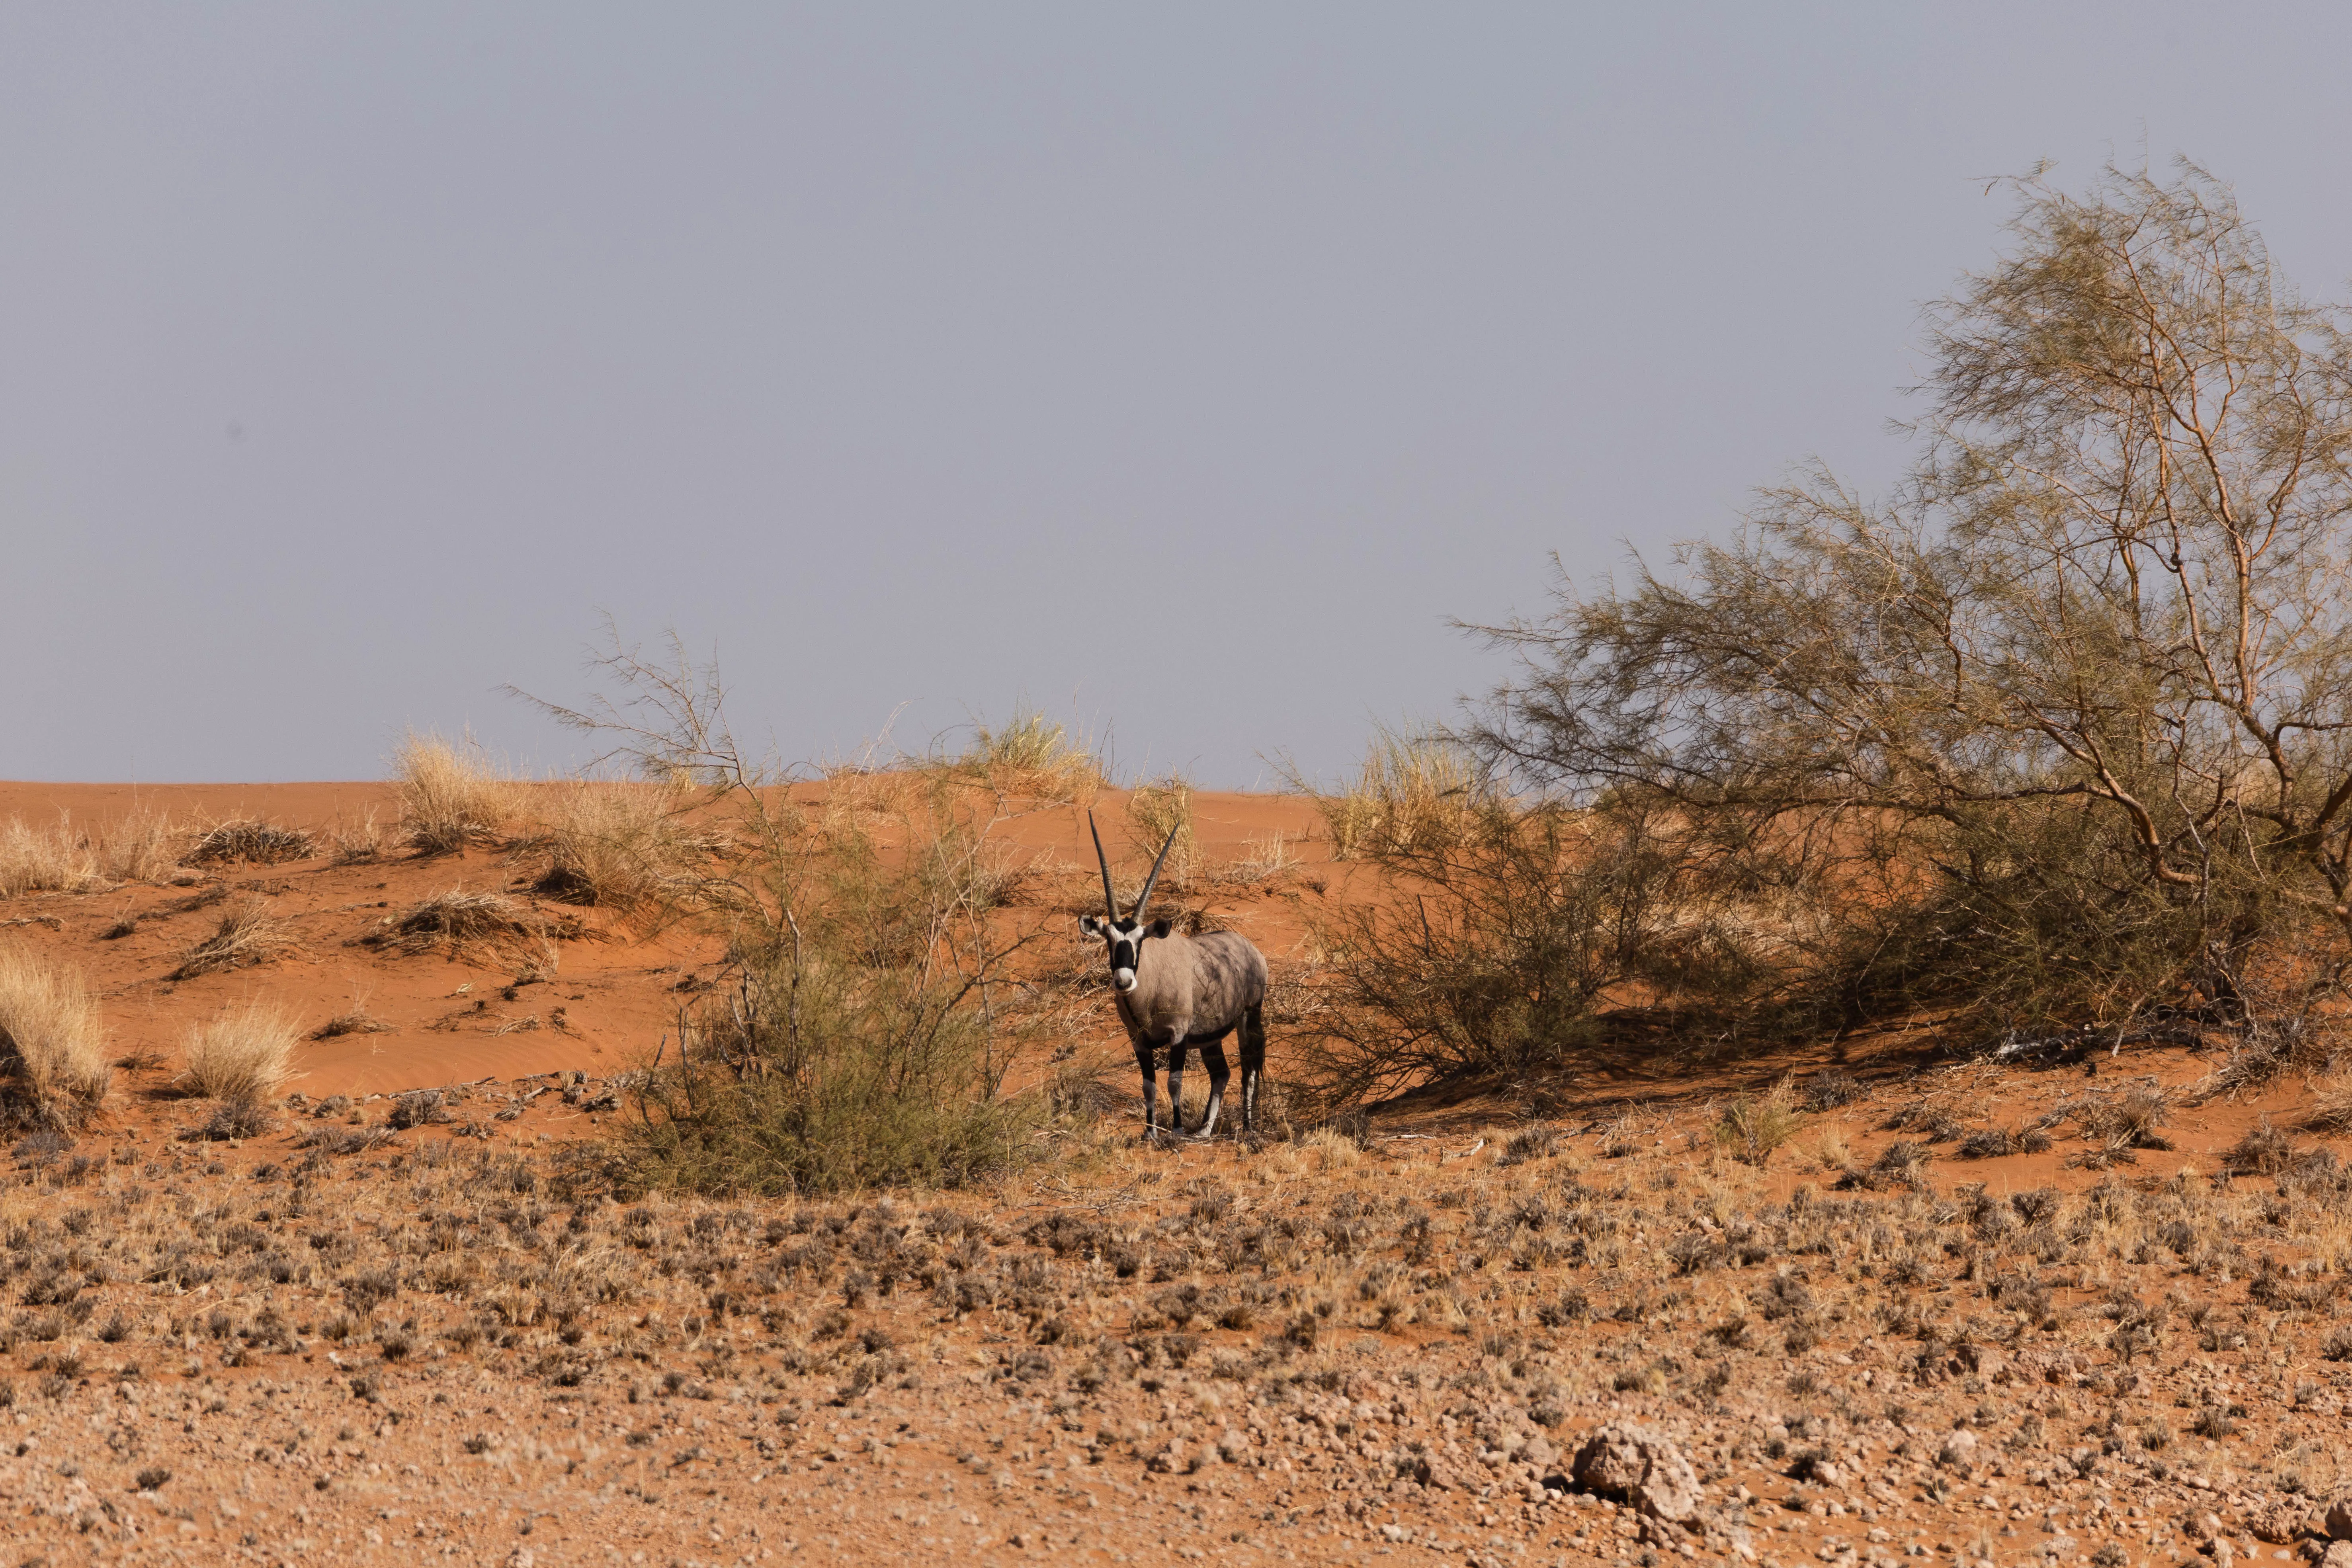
(456, 1347)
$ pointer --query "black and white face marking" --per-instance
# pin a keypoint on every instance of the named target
(1124, 938)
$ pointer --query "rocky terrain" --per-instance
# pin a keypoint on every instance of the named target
(418, 1324)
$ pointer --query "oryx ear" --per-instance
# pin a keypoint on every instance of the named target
(1091, 925)
(1160, 928)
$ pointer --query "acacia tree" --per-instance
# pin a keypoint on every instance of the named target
(2061, 726)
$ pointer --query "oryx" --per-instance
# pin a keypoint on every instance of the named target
(1182, 992)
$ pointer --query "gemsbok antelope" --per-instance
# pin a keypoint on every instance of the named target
(1181, 992)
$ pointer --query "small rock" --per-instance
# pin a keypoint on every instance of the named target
(1959, 1450)
(1435, 1473)
(1988, 1362)
(2338, 1555)
(2339, 1517)
(2280, 1523)
(1642, 1465)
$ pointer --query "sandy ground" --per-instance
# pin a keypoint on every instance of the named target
(344, 1341)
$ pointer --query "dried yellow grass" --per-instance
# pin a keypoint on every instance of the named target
(1264, 860)
(1033, 756)
(1333, 1149)
(44, 859)
(63, 858)
(242, 1056)
(450, 797)
(1413, 794)
(616, 846)
(1752, 1129)
(1158, 807)
(458, 921)
(245, 937)
(142, 847)
(53, 1067)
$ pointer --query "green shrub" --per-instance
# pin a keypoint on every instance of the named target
(865, 1038)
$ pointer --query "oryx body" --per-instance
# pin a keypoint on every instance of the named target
(1180, 992)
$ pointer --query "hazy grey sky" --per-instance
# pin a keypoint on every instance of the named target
(1181, 369)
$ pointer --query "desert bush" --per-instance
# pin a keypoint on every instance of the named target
(53, 1068)
(244, 1054)
(866, 1034)
(2051, 742)
(1518, 933)
(450, 797)
(856, 1050)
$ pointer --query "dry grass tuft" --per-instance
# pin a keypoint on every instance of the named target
(358, 1021)
(1993, 1142)
(1267, 860)
(1414, 792)
(359, 844)
(616, 846)
(253, 841)
(1751, 1130)
(449, 796)
(1158, 807)
(1031, 755)
(141, 848)
(1830, 1089)
(457, 921)
(52, 1046)
(244, 938)
(1333, 1150)
(2331, 1109)
(62, 858)
(242, 1056)
(2264, 1151)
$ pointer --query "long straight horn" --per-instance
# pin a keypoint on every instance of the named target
(1110, 900)
(1145, 897)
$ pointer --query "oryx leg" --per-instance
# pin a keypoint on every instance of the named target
(1213, 1056)
(1252, 1049)
(1144, 1053)
(1176, 1051)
